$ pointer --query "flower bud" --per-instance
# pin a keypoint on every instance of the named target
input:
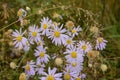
(58, 61)
(28, 8)
(22, 76)
(94, 29)
(21, 13)
(25, 22)
(12, 65)
(10, 30)
(92, 54)
(6, 33)
(10, 43)
(55, 23)
(90, 65)
(40, 12)
(69, 24)
(46, 47)
(2, 40)
(55, 15)
(104, 67)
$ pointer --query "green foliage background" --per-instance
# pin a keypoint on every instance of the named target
(108, 12)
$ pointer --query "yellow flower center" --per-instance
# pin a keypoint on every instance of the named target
(73, 54)
(39, 65)
(57, 34)
(27, 43)
(42, 54)
(100, 40)
(73, 31)
(27, 67)
(50, 77)
(74, 64)
(34, 34)
(45, 26)
(19, 13)
(39, 43)
(69, 41)
(77, 79)
(84, 47)
(19, 38)
(67, 76)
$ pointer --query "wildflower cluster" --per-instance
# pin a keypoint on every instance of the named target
(69, 66)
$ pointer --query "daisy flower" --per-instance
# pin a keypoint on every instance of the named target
(57, 35)
(68, 74)
(80, 77)
(20, 41)
(74, 31)
(73, 54)
(45, 26)
(41, 54)
(100, 43)
(40, 43)
(84, 46)
(26, 47)
(30, 68)
(22, 14)
(34, 34)
(69, 42)
(39, 68)
(52, 75)
(76, 66)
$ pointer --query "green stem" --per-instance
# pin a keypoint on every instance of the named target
(9, 25)
(24, 56)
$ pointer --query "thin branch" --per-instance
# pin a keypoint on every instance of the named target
(113, 58)
(24, 56)
(4, 27)
(26, 17)
(9, 25)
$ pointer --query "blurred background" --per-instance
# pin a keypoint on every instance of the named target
(108, 16)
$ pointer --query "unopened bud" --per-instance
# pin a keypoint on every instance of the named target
(25, 22)
(22, 76)
(28, 8)
(21, 13)
(2, 40)
(6, 33)
(94, 29)
(58, 61)
(12, 65)
(11, 43)
(46, 47)
(93, 54)
(10, 30)
(69, 24)
(90, 65)
(56, 15)
(104, 67)
(40, 11)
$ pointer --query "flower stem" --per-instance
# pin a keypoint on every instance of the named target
(24, 56)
